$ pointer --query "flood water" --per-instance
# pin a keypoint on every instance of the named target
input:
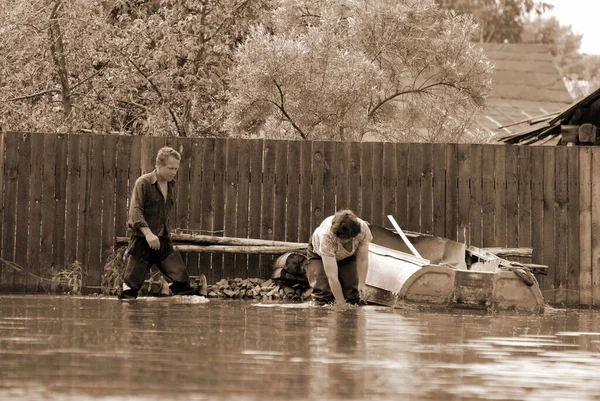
(99, 348)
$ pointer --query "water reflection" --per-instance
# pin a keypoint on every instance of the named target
(182, 348)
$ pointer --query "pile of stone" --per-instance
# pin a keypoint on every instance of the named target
(259, 289)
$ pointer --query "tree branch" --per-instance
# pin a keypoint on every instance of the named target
(58, 55)
(284, 112)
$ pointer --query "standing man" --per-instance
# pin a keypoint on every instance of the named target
(152, 199)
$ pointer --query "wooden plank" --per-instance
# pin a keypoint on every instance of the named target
(524, 196)
(330, 161)
(219, 203)
(294, 161)
(573, 251)
(476, 203)
(73, 156)
(451, 204)
(439, 189)
(401, 214)
(48, 185)
(561, 169)
(242, 225)
(390, 179)
(94, 223)
(34, 232)
(11, 176)
(464, 193)
(537, 208)
(135, 161)
(108, 195)
(84, 199)
(595, 226)
(184, 147)
(2, 152)
(231, 198)
(147, 154)
(268, 201)
(281, 179)
(414, 187)
(585, 223)
(342, 173)
(21, 281)
(548, 224)
(366, 174)
(207, 208)
(317, 192)
(512, 195)
(488, 218)
(60, 202)
(426, 188)
(194, 202)
(500, 200)
(354, 178)
(256, 166)
(377, 215)
(124, 154)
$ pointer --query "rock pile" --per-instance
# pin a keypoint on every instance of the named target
(259, 289)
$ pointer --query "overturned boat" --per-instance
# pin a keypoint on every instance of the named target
(437, 272)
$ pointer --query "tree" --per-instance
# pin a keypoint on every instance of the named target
(144, 67)
(345, 69)
(499, 20)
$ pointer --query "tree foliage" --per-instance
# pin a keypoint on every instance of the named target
(137, 66)
(499, 20)
(344, 69)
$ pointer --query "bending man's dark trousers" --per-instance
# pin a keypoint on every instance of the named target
(317, 278)
(169, 262)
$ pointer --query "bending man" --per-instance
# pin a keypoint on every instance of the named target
(338, 259)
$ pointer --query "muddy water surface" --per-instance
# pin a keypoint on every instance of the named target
(98, 348)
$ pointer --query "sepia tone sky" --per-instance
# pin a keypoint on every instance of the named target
(582, 15)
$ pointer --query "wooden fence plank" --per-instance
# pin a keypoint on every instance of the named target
(256, 171)
(464, 193)
(401, 214)
(573, 252)
(585, 224)
(366, 174)
(426, 189)
(342, 173)
(377, 215)
(2, 153)
(561, 224)
(488, 217)
(11, 176)
(316, 189)
(182, 212)
(439, 189)
(452, 199)
(84, 200)
(219, 203)
(109, 195)
(330, 161)
(123, 153)
(549, 227)
(500, 199)
(512, 196)
(354, 178)
(94, 223)
(34, 233)
(293, 191)
(48, 185)
(268, 201)
(414, 188)
(390, 180)
(281, 187)
(207, 209)
(476, 203)
(242, 225)
(73, 155)
(231, 198)
(595, 226)
(537, 207)
(525, 198)
(21, 281)
(60, 202)
(195, 185)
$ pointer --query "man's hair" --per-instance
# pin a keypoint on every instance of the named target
(164, 153)
(345, 224)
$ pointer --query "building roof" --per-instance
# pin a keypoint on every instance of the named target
(526, 85)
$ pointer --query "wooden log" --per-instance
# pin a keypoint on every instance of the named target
(212, 240)
(256, 250)
(505, 252)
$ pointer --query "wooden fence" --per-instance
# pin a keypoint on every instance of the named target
(65, 198)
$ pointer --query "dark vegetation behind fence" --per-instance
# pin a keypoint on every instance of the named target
(65, 198)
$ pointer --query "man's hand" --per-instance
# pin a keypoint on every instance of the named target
(362, 291)
(153, 241)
